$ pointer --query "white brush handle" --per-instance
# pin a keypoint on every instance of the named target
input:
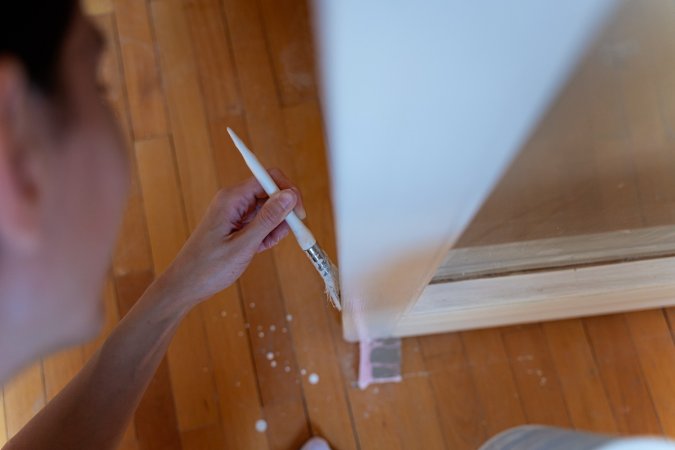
(300, 230)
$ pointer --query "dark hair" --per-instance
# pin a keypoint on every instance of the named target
(33, 32)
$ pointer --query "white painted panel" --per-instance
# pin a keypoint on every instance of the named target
(424, 104)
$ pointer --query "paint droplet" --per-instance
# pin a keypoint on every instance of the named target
(261, 335)
(313, 378)
(261, 426)
(247, 326)
(303, 372)
(289, 317)
(287, 369)
(273, 328)
(283, 330)
(252, 305)
(273, 364)
(240, 334)
(270, 356)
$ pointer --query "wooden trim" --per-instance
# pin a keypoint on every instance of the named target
(555, 253)
(546, 295)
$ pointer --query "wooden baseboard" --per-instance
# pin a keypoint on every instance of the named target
(538, 296)
(556, 253)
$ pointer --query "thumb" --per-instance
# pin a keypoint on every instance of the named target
(271, 214)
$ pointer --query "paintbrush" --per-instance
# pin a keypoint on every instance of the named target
(305, 238)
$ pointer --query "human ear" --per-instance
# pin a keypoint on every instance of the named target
(19, 223)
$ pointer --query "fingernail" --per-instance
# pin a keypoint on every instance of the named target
(286, 198)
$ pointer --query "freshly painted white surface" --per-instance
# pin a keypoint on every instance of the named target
(424, 104)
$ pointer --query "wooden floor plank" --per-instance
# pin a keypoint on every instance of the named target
(289, 37)
(132, 251)
(462, 419)
(276, 367)
(97, 6)
(536, 377)
(189, 361)
(24, 396)
(214, 58)
(656, 353)
(491, 371)
(198, 181)
(208, 437)
(389, 415)
(586, 399)
(619, 367)
(141, 69)
(234, 371)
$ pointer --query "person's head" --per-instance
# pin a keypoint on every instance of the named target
(63, 179)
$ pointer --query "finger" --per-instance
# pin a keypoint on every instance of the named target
(274, 237)
(271, 214)
(284, 183)
(252, 189)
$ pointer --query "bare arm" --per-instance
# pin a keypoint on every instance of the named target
(94, 409)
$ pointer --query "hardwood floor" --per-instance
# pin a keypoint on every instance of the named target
(180, 71)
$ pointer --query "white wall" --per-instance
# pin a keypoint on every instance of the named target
(424, 103)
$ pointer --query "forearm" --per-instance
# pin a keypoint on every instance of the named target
(94, 409)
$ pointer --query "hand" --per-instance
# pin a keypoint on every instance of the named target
(240, 222)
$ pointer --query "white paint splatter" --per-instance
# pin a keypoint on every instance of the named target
(313, 378)
(252, 305)
(270, 356)
(261, 335)
(287, 369)
(273, 364)
(303, 372)
(273, 328)
(261, 426)
(289, 317)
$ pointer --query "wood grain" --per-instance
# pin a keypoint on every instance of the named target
(388, 415)
(141, 70)
(494, 380)
(617, 362)
(463, 420)
(656, 353)
(536, 377)
(582, 386)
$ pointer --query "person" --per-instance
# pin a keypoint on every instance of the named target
(63, 183)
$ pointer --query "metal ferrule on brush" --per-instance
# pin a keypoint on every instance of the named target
(320, 260)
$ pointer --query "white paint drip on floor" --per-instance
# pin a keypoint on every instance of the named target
(261, 426)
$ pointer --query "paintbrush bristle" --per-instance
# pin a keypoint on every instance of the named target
(329, 273)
